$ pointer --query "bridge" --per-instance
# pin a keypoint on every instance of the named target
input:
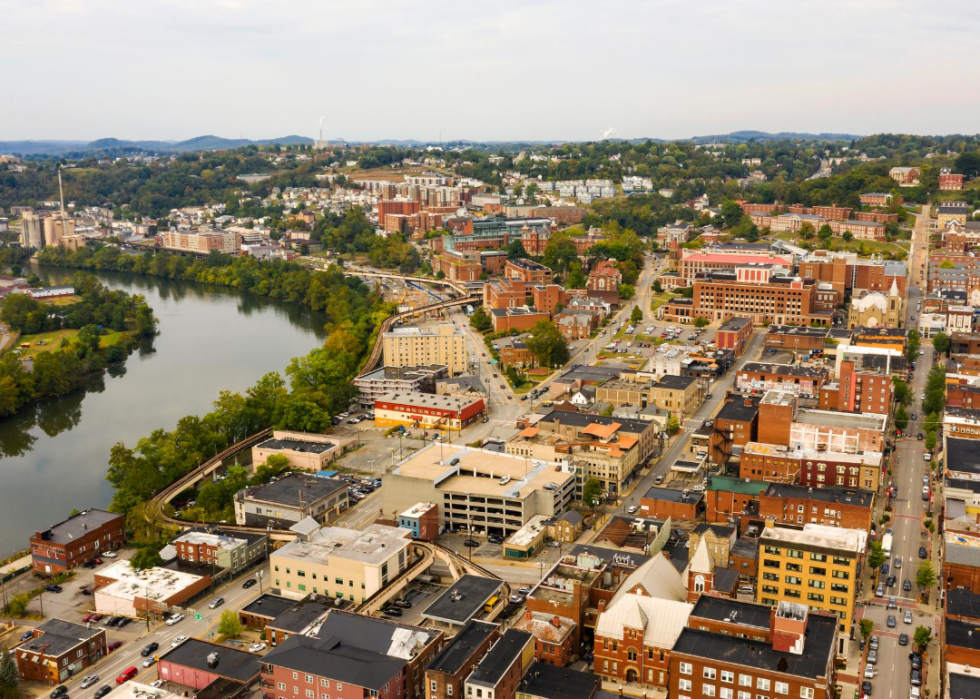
(455, 286)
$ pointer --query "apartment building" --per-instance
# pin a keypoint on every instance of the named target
(831, 505)
(842, 432)
(796, 659)
(388, 379)
(77, 539)
(505, 293)
(228, 552)
(58, 649)
(201, 242)
(857, 391)
(845, 271)
(817, 469)
(414, 346)
(343, 563)
(817, 566)
(797, 379)
(878, 199)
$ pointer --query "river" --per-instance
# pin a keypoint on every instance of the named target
(53, 456)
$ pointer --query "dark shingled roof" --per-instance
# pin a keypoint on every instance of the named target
(962, 455)
(962, 602)
(461, 648)
(962, 634)
(736, 410)
(964, 686)
(269, 606)
(286, 490)
(818, 649)
(301, 615)
(79, 525)
(58, 637)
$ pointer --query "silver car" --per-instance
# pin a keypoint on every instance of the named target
(89, 680)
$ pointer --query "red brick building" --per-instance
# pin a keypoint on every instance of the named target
(797, 379)
(682, 505)
(876, 216)
(519, 319)
(730, 499)
(735, 425)
(528, 271)
(734, 334)
(76, 540)
(554, 637)
(857, 391)
(190, 664)
(500, 671)
(422, 519)
(57, 650)
(605, 277)
(546, 297)
(832, 506)
(960, 564)
(458, 267)
(458, 658)
(950, 182)
(848, 274)
(797, 659)
(815, 469)
(505, 293)
(879, 199)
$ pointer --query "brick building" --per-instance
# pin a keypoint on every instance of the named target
(74, 541)
(662, 503)
(422, 520)
(834, 506)
(729, 499)
(458, 658)
(817, 469)
(198, 664)
(500, 671)
(857, 391)
(796, 660)
(228, 553)
(58, 649)
(546, 297)
(825, 430)
(505, 293)
(605, 276)
(529, 271)
(795, 338)
(735, 425)
(351, 657)
(961, 560)
(949, 181)
(846, 272)
(553, 637)
(427, 411)
(514, 351)
(734, 334)
(791, 378)
(878, 199)
(519, 319)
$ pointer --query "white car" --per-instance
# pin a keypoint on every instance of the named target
(921, 352)
(631, 509)
(108, 554)
(156, 683)
(256, 647)
(177, 641)
(149, 662)
(175, 619)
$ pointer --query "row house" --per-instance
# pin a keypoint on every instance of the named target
(792, 378)
(817, 469)
(834, 506)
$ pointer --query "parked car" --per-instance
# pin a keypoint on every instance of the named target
(915, 677)
(393, 611)
(631, 509)
(403, 603)
(175, 619)
(114, 645)
(156, 683)
(516, 599)
(908, 617)
(52, 588)
(916, 659)
(872, 657)
(866, 688)
(524, 590)
(471, 543)
(891, 621)
(922, 552)
(256, 647)
(109, 554)
(123, 621)
(873, 643)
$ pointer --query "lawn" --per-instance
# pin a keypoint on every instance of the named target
(52, 341)
(898, 249)
(63, 300)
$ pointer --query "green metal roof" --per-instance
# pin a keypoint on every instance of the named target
(737, 485)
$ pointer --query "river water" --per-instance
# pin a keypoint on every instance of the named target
(53, 456)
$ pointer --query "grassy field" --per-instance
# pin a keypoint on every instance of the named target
(52, 341)
(63, 300)
(898, 249)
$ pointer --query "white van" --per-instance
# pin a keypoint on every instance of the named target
(697, 488)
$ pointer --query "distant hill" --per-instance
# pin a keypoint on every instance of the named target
(742, 136)
(200, 143)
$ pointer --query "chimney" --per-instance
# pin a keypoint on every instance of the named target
(528, 615)
(602, 605)
(556, 622)
(748, 402)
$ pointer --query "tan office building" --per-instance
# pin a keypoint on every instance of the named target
(412, 346)
(342, 563)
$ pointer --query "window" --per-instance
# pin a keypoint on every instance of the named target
(432, 685)
(806, 692)
(686, 668)
(707, 690)
(282, 686)
(684, 685)
(309, 679)
(782, 688)
(631, 654)
(726, 693)
(709, 673)
(310, 694)
(762, 683)
(295, 675)
(727, 676)
(745, 680)
(340, 687)
(745, 695)
(324, 683)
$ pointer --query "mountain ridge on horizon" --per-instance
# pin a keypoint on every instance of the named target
(55, 147)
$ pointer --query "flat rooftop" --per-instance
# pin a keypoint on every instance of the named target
(302, 615)
(962, 455)
(373, 545)
(830, 418)
(735, 323)
(813, 663)
(820, 535)
(783, 369)
(153, 583)
(528, 533)
(432, 401)
(415, 331)
(58, 637)
(297, 446)
(831, 494)
(544, 680)
(221, 541)
(461, 648)
(289, 489)
(866, 458)
(479, 471)
(79, 525)
(722, 609)
(464, 600)
(782, 398)
(417, 510)
(269, 606)
(234, 664)
(731, 484)
(796, 330)
(672, 495)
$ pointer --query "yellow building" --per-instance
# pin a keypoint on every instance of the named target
(872, 309)
(342, 563)
(817, 565)
(413, 346)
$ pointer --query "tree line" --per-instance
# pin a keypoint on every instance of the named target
(64, 369)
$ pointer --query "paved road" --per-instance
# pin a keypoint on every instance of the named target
(908, 534)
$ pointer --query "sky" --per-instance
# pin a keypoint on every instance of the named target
(501, 70)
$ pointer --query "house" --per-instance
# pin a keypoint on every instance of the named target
(500, 671)
(458, 658)
(287, 501)
(553, 637)
(905, 176)
(229, 553)
(576, 324)
(76, 540)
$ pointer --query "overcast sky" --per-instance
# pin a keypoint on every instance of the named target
(498, 70)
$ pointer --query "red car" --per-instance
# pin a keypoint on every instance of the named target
(97, 561)
(114, 645)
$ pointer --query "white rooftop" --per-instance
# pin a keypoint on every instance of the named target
(529, 532)
(216, 540)
(417, 510)
(374, 545)
(154, 583)
(853, 540)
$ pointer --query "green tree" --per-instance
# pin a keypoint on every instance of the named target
(731, 213)
(941, 343)
(658, 287)
(672, 425)
(922, 637)
(636, 315)
(273, 466)
(825, 233)
(807, 230)
(902, 392)
(912, 344)
(230, 625)
(576, 277)
(930, 443)
(592, 493)
(925, 576)
(480, 320)
(867, 628)
(901, 417)
(847, 236)
(548, 345)
(626, 291)
(701, 322)
(876, 555)
(968, 164)
(946, 264)
(8, 670)
(145, 558)
(515, 250)
(17, 604)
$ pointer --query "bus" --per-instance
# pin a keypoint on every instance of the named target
(491, 603)
(886, 544)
